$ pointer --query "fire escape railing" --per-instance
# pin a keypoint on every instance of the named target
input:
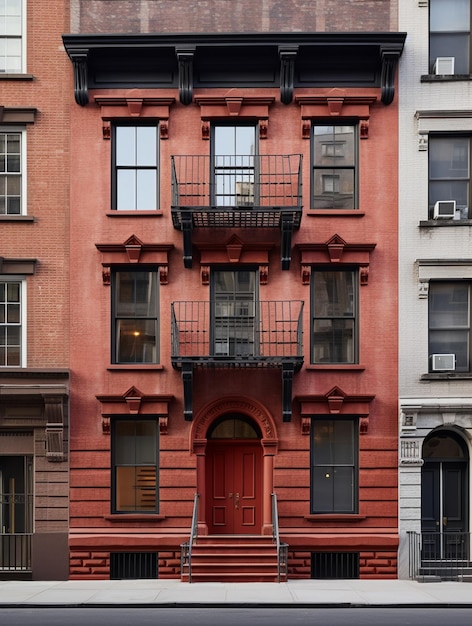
(257, 334)
(237, 191)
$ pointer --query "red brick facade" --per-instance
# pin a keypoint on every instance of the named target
(365, 239)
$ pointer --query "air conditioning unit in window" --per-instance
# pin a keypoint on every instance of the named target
(444, 210)
(443, 362)
(444, 66)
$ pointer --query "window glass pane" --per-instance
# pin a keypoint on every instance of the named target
(449, 157)
(124, 443)
(136, 341)
(451, 45)
(343, 496)
(146, 190)
(125, 149)
(334, 146)
(449, 15)
(449, 305)
(146, 141)
(146, 451)
(126, 190)
(451, 342)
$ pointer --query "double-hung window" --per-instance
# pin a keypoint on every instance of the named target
(135, 454)
(334, 465)
(449, 36)
(334, 159)
(449, 176)
(450, 324)
(11, 323)
(11, 172)
(135, 167)
(334, 316)
(135, 317)
(11, 34)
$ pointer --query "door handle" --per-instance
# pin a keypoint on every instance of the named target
(444, 521)
(236, 500)
(230, 495)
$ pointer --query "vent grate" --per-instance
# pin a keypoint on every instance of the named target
(335, 565)
(132, 565)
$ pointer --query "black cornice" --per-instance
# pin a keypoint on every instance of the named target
(296, 59)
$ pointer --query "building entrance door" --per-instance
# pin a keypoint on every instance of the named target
(234, 487)
(444, 479)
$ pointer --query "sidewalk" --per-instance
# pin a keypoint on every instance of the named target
(299, 593)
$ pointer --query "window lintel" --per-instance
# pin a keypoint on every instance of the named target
(17, 266)
(17, 115)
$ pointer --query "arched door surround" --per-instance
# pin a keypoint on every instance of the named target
(200, 435)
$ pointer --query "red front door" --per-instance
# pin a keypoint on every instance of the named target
(234, 487)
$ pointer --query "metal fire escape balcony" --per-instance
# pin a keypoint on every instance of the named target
(237, 191)
(238, 334)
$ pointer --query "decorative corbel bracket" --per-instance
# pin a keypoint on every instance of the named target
(287, 380)
(54, 411)
(187, 381)
(185, 58)
(287, 57)
(389, 59)
(80, 68)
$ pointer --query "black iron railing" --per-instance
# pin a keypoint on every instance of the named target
(444, 555)
(249, 190)
(15, 552)
(244, 333)
(282, 548)
(186, 548)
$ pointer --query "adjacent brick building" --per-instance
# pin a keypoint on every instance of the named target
(35, 87)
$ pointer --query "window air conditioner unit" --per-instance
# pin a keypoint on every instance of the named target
(443, 362)
(444, 210)
(444, 66)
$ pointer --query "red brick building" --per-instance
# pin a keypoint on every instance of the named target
(233, 248)
(35, 87)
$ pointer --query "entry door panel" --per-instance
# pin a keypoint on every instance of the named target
(444, 515)
(234, 488)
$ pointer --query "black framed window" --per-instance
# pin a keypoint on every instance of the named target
(334, 316)
(135, 167)
(449, 177)
(11, 328)
(234, 312)
(11, 34)
(135, 317)
(11, 165)
(334, 465)
(135, 463)
(334, 160)
(449, 36)
(450, 325)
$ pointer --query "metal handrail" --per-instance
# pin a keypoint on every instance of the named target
(193, 536)
(281, 547)
(444, 555)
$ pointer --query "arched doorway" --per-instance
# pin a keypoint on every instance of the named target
(234, 476)
(444, 496)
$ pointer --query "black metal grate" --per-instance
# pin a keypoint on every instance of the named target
(132, 565)
(335, 565)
